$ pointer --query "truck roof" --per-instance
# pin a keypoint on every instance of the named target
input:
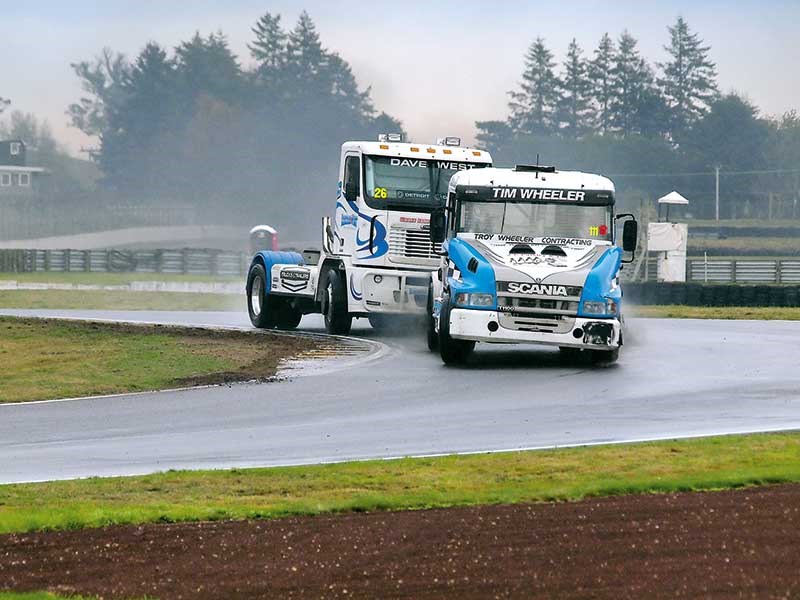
(499, 177)
(423, 151)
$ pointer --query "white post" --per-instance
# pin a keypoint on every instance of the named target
(705, 267)
(716, 195)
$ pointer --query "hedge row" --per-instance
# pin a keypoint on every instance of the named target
(698, 294)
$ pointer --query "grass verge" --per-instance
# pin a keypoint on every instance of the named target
(565, 474)
(113, 278)
(766, 313)
(38, 596)
(45, 359)
(118, 300)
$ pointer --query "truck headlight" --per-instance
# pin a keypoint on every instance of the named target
(475, 299)
(609, 307)
(594, 308)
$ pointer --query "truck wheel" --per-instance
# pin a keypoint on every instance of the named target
(287, 316)
(258, 301)
(604, 357)
(430, 324)
(452, 351)
(334, 304)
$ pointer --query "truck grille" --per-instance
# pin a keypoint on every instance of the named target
(544, 314)
(539, 323)
(410, 243)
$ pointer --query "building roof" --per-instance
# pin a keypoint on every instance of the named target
(13, 169)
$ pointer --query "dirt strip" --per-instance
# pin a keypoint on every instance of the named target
(734, 544)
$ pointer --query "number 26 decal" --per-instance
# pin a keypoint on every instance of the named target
(381, 193)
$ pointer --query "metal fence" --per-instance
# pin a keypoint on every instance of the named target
(187, 261)
(735, 270)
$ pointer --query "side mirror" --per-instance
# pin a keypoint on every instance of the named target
(630, 235)
(351, 191)
(438, 226)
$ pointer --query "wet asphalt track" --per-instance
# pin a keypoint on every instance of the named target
(674, 379)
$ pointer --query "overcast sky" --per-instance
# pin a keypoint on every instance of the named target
(438, 66)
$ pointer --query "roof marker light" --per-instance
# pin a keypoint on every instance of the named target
(431, 150)
(476, 153)
(414, 149)
(447, 151)
(384, 146)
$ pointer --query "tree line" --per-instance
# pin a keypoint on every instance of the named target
(192, 125)
(653, 127)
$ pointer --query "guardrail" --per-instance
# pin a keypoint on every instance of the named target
(187, 261)
(784, 271)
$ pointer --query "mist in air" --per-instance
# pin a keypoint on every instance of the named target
(224, 121)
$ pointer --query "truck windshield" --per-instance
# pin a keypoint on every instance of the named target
(536, 219)
(411, 184)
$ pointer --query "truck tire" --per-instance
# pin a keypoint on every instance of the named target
(286, 315)
(452, 351)
(430, 324)
(334, 305)
(258, 301)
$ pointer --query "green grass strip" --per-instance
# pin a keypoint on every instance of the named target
(38, 596)
(764, 313)
(533, 476)
(119, 300)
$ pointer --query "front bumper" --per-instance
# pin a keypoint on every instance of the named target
(597, 334)
(389, 291)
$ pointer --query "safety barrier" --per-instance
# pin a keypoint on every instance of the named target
(731, 270)
(187, 261)
(698, 294)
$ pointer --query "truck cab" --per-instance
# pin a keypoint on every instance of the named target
(376, 254)
(529, 255)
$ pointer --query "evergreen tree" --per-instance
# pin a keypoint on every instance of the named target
(4, 103)
(574, 107)
(306, 59)
(689, 77)
(269, 50)
(601, 76)
(493, 135)
(147, 112)
(207, 66)
(533, 107)
(636, 107)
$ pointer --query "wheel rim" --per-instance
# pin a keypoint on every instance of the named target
(255, 295)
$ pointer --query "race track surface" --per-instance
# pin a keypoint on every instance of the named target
(675, 378)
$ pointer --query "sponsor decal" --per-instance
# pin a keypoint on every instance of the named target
(529, 259)
(540, 289)
(512, 193)
(551, 241)
(348, 220)
(439, 164)
(404, 195)
(424, 220)
(295, 280)
(598, 230)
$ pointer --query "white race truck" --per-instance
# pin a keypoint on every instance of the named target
(528, 256)
(376, 254)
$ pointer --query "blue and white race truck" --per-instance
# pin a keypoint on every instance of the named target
(376, 254)
(528, 256)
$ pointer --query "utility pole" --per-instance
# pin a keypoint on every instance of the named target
(716, 195)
